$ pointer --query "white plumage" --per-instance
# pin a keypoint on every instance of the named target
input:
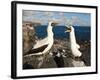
(50, 39)
(74, 46)
(43, 46)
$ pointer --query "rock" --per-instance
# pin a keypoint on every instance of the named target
(78, 63)
(28, 37)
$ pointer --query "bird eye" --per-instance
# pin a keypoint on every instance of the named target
(53, 24)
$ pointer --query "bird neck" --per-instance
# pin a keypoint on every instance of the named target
(49, 31)
(72, 37)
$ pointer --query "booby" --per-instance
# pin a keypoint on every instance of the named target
(74, 46)
(43, 46)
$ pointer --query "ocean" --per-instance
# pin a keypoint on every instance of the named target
(81, 32)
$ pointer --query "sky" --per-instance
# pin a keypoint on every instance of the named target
(75, 19)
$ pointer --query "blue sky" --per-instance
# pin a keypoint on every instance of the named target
(79, 19)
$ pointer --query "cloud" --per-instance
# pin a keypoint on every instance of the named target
(79, 21)
(61, 13)
(75, 20)
(63, 18)
(29, 13)
(42, 16)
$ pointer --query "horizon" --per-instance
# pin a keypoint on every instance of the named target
(64, 25)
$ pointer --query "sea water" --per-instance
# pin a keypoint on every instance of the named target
(81, 32)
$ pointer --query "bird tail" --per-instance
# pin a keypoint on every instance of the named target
(37, 54)
(77, 45)
(77, 53)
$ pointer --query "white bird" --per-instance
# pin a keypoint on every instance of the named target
(43, 46)
(74, 46)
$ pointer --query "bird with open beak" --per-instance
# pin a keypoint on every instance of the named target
(73, 44)
(68, 29)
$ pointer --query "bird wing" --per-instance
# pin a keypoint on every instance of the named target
(37, 50)
(40, 43)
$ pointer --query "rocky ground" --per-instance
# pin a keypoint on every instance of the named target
(66, 61)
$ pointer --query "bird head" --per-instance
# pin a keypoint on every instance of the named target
(69, 28)
(50, 22)
(53, 23)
